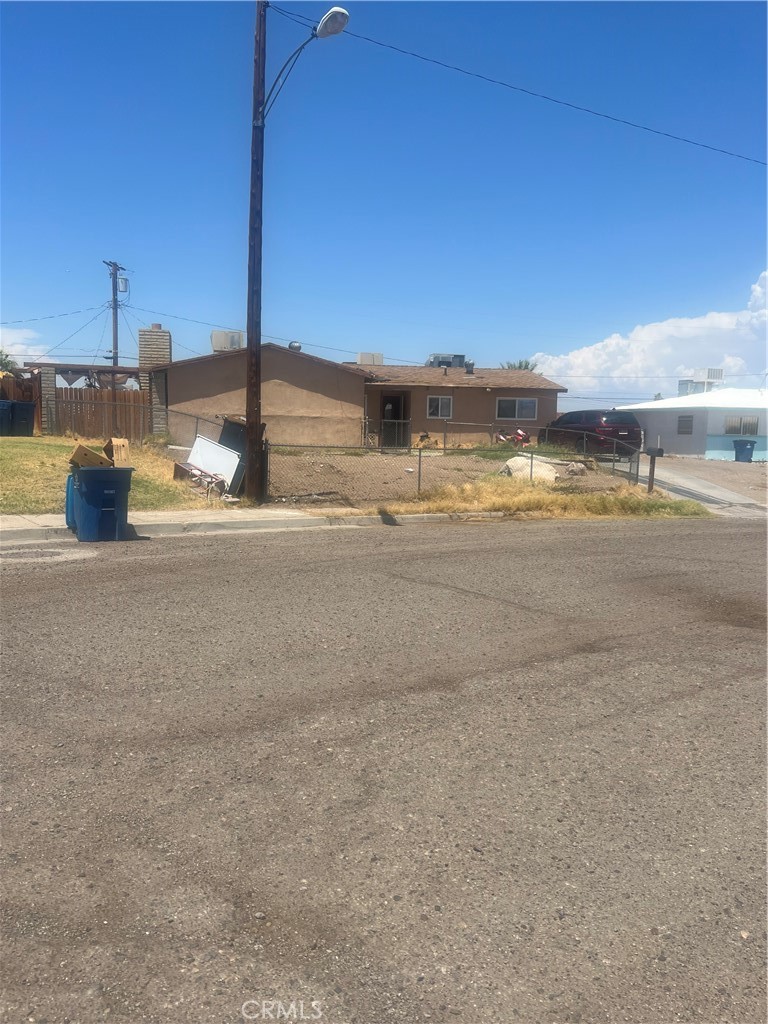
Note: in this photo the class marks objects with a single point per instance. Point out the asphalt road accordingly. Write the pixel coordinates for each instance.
(474, 773)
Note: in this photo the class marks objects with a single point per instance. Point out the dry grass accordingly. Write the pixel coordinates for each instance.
(33, 472)
(544, 501)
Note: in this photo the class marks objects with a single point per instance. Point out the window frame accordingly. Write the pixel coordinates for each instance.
(689, 422)
(742, 422)
(440, 399)
(516, 399)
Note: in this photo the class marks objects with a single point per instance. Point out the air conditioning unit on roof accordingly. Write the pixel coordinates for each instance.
(225, 341)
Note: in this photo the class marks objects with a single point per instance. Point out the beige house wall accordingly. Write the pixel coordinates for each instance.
(304, 401)
(474, 410)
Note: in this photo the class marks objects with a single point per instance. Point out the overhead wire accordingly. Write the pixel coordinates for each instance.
(101, 312)
(533, 93)
(52, 316)
(130, 329)
(101, 339)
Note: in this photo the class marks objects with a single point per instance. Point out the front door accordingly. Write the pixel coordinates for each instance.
(395, 428)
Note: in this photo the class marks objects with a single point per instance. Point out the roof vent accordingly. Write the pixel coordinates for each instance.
(469, 365)
(294, 346)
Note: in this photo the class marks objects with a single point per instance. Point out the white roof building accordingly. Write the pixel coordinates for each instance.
(707, 424)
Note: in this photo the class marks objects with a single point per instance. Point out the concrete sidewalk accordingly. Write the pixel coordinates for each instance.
(717, 499)
(23, 529)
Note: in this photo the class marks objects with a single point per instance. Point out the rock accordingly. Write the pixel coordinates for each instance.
(520, 468)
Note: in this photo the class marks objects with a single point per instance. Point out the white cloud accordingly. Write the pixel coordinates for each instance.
(16, 342)
(652, 356)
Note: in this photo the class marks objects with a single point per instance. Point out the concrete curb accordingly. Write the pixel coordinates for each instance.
(31, 534)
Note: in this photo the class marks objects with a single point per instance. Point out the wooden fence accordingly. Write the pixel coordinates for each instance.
(89, 412)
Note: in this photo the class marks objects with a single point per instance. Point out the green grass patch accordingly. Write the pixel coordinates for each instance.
(34, 470)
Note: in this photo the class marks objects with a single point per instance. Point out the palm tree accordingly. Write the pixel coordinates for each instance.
(7, 362)
(520, 364)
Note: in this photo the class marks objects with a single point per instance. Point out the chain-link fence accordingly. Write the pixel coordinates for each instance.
(183, 428)
(350, 476)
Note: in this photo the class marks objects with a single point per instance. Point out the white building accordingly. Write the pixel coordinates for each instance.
(707, 424)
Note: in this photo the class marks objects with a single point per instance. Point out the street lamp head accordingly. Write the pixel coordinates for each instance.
(332, 23)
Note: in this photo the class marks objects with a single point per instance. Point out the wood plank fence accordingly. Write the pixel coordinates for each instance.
(90, 412)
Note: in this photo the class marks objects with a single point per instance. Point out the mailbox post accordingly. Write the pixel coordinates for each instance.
(653, 454)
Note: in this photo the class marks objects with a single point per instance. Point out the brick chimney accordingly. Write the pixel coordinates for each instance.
(154, 346)
(155, 350)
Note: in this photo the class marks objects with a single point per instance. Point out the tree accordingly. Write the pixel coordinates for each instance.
(7, 362)
(520, 364)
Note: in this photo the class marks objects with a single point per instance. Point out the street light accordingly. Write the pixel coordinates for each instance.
(331, 24)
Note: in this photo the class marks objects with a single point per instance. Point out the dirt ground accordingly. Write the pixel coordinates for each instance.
(747, 478)
(334, 478)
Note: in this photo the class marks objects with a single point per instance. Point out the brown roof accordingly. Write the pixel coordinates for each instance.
(353, 368)
(457, 377)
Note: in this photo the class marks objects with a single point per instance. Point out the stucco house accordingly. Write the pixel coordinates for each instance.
(706, 424)
(305, 399)
(310, 400)
(454, 404)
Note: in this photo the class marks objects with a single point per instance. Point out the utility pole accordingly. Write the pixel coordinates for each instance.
(254, 429)
(114, 269)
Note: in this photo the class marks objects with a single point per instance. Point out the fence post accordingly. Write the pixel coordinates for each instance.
(445, 434)
(530, 456)
(613, 462)
(418, 478)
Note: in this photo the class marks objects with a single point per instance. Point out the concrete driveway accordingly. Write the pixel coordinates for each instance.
(465, 773)
(733, 489)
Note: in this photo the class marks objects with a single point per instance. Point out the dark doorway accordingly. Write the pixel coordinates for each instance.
(395, 425)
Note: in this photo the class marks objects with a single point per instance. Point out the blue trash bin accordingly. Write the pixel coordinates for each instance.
(23, 419)
(6, 418)
(101, 502)
(742, 450)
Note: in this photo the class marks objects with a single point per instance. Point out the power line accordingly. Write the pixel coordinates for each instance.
(52, 316)
(176, 343)
(540, 95)
(646, 376)
(130, 329)
(413, 362)
(101, 339)
(189, 320)
(103, 309)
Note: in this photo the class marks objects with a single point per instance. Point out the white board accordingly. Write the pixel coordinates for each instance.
(213, 459)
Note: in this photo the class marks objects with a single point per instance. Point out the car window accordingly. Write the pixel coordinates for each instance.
(568, 420)
(626, 419)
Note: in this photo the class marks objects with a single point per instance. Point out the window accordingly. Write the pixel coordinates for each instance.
(439, 407)
(516, 408)
(741, 425)
(685, 424)
(749, 425)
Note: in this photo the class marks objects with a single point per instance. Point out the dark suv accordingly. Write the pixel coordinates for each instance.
(595, 430)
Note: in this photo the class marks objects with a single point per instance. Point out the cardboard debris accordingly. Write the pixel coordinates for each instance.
(83, 456)
(116, 449)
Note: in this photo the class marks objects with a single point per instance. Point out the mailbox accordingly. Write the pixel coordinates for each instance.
(655, 453)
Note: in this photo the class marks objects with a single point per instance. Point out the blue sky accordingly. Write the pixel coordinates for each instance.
(408, 209)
